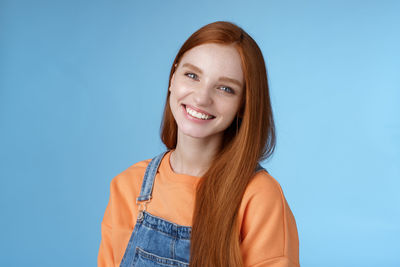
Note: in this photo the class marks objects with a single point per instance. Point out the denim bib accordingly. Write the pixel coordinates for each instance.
(156, 242)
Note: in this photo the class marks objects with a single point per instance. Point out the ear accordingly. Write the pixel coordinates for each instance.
(172, 82)
(173, 77)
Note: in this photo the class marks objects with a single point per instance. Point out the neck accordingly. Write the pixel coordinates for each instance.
(193, 156)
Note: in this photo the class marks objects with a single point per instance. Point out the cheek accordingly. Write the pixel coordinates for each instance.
(173, 101)
(175, 98)
(230, 108)
(173, 105)
(179, 90)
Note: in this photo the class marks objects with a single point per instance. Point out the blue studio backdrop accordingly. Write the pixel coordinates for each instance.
(82, 90)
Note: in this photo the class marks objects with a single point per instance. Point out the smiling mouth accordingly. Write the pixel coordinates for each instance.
(198, 115)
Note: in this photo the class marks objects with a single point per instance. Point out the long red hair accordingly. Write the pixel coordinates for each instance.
(215, 237)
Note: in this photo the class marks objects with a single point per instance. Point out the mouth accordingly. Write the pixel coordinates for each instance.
(197, 114)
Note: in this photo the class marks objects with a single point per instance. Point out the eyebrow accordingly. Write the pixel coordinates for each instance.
(226, 79)
(193, 67)
(222, 79)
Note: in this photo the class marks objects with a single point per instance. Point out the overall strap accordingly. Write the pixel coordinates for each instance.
(148, 179)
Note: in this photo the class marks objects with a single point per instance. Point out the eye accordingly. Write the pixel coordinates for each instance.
(192, 75)
(227, 89)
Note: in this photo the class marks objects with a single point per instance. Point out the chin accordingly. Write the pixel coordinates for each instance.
(195, 134)
(199, 134)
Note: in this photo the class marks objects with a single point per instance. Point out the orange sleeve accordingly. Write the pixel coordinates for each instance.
(120, 215)
(268, 229)
(105, 257)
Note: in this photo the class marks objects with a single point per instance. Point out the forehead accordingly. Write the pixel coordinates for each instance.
(215, 59)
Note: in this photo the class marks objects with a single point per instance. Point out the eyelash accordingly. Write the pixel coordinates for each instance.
(228, 90)
(223, 88)
(190, 75)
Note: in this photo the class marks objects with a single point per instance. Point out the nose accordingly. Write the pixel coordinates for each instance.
(202, 96)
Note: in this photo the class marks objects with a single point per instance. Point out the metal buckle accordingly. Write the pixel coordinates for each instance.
(142, 204)
(142, 207)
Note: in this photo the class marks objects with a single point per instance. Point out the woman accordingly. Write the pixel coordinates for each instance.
(206, 201)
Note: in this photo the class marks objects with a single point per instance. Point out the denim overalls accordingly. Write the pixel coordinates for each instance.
(156, 242)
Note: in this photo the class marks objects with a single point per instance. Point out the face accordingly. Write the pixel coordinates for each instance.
(206, 90)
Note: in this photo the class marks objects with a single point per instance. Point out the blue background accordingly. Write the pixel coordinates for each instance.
(82, 89)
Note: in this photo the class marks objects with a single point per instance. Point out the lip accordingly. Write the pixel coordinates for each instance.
(198, 110)
(196, 120)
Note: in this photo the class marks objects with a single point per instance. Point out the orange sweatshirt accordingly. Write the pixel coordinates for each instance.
(268, 228)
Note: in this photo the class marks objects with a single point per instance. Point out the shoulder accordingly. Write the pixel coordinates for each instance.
(264, 187)
(133, 175)
(267, 227)
(263, 198)
(124, 189)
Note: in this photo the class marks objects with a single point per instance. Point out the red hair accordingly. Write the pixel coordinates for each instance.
(215, 238)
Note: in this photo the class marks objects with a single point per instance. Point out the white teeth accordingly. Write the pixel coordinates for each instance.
(198, 115)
